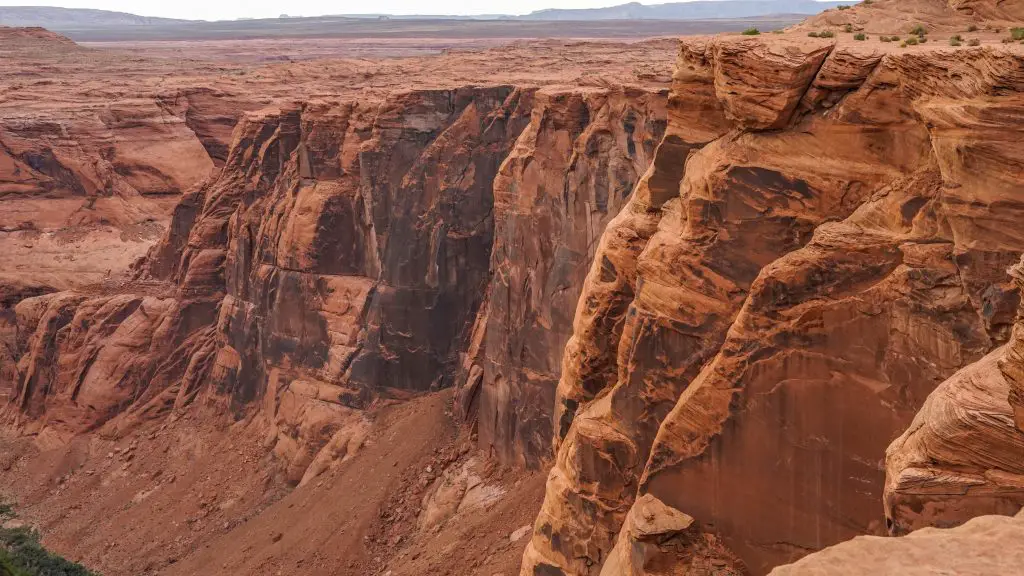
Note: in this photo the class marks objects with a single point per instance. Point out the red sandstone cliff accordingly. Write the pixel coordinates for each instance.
(341, 255)
(821, 241)
(794, 260)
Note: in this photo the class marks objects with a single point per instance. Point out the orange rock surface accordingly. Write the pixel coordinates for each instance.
(722, 292)
(984, 545)
(821, 241)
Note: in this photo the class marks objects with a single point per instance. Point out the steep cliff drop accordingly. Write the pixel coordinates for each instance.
(821, 240)
(267, 376)
(781, 264)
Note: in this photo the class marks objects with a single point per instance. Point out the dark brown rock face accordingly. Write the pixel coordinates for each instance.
(821, 241)
(569, 173)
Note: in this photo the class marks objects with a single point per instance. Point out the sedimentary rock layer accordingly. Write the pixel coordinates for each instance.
(569, 173)
(341, 254)
(961, 456)
(821, 241)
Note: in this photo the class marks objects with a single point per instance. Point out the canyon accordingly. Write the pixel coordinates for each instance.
(730, 304)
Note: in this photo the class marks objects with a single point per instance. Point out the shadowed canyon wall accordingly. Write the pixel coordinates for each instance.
(343, 253)
(570, 172)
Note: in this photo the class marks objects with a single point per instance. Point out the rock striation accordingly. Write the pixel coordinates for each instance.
(570, 172)
(342, 255)
(820, 242)
(960, 457)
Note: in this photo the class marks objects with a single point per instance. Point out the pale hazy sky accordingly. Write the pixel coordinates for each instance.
(228, 9)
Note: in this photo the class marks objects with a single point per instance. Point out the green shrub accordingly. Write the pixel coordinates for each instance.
(894, 38)
(848, 28)
(903, 44)
(21, 554)
(911, 41)
(844, 7)
(826, 34)
(812, 34)
(972, 28)
(1017, 33)
(884, 39)
(860, 37)
(751, 32)
(918, 30)
(868, 2)
(955, 40)
(974, 42)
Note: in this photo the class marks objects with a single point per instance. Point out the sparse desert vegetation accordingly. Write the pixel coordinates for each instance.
(21, 554)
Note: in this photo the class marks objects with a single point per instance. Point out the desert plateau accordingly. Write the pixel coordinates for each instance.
(698, 289)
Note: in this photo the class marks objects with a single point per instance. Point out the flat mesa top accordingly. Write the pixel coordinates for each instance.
(44, 72)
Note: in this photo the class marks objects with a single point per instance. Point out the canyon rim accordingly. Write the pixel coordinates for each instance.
(719, 304)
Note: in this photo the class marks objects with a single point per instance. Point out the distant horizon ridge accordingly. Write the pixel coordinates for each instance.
(57, 18)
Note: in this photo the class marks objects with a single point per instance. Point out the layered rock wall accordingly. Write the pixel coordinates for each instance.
(820, 242)
(570, 172)
(343, 253)
(961, 456)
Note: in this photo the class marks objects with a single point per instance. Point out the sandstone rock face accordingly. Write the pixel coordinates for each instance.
(658, 539)
(342, 254)
(10, 294)
(820, 242)
(901, 16)
(290, 276)
(1012, 363)
(960, 458)
(569, 173)
(983, 546)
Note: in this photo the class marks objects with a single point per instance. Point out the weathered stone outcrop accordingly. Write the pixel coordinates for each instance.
(570, 172)
(336, 242)
(961, 456)
(983, 546)
(901, 16)
(123, 149)
(820, 242)
(658, 539)
(341, 254)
